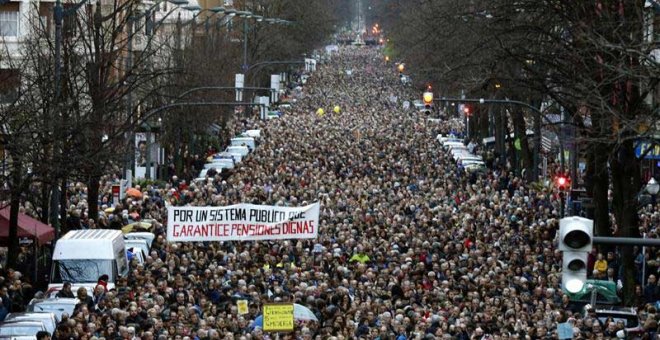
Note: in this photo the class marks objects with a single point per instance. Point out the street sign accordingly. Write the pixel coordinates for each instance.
(274, 87)
(245, 67)
(650, 150)
(239, 83)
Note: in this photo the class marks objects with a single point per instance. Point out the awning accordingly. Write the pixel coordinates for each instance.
(27, 227)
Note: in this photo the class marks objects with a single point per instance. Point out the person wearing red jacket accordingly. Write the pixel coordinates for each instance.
(103, 281)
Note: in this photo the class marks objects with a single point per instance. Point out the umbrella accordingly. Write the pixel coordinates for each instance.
(300, 313)
(303, 313)
(134, 193)
(137, 226)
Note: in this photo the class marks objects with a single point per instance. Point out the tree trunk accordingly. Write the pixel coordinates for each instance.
(14, 205)
(626, 182)
(601, 183)
(500, 142)
(93, 187)
(520, 131)
(482, 124)
(63, 207)
(45, 203)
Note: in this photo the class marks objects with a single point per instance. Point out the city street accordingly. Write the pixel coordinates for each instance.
(377, 170)
(409, 243)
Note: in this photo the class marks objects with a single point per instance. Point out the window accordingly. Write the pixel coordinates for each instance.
(9, 24)
(81, 271)
(10, 82)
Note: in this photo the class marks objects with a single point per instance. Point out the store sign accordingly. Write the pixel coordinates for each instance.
(642, 148)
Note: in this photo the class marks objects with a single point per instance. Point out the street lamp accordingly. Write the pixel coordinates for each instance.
(652, 187)
(192, 8)
(249, 15)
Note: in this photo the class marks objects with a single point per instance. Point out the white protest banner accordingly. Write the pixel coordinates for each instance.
(241, 222)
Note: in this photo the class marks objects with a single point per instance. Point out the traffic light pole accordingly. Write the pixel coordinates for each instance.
(627, 241)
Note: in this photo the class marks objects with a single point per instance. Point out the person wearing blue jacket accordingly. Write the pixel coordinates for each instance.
(3, 310)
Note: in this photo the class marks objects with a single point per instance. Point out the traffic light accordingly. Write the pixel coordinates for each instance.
(562, 182)
(575, 242)
(427, 97)
(467, 110)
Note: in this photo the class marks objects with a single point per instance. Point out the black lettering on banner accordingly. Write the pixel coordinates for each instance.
(181, 215)
(200, 215)
(294, 215)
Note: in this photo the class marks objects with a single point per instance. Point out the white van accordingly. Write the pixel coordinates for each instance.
(243, 150)
(244, 141)
(82, 256)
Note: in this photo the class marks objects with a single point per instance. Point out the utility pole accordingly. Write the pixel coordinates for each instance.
(245, 44)
(130, 157)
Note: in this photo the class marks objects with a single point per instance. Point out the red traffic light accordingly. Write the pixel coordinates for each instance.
(562, 182)
(467, 110)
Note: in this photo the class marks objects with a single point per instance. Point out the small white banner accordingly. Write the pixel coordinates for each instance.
(241, 222)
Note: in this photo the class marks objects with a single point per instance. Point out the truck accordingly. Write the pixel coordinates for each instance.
(81, 257)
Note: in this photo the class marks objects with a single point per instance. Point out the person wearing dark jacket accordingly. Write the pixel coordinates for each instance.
(651, 290)
(66, 291)
(85, 299)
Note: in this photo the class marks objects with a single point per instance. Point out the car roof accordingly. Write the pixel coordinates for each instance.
(38, 315)
(14, 323)
(56, 301)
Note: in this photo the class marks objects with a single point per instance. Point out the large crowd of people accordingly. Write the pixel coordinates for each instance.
(410, 246)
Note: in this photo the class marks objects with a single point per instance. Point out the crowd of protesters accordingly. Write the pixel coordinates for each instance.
(410, 246)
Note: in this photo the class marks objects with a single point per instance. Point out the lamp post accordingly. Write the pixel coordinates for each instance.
(249, 15)
(245, 15)
(199, 10)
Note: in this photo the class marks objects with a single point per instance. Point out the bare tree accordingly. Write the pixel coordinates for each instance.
(592, 59)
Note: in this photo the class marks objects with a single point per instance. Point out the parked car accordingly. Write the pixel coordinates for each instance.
(22, 329)
(244, 141)
(47, 318)
(204, 172)
(55, 305)
(441, 139)
(252, 133)
(138, 245)
(243, 150)
(222, 163)
(237, 158)
(448, 144)
(142, 235)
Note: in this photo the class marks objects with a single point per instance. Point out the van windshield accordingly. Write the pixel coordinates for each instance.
(81, 271)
